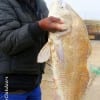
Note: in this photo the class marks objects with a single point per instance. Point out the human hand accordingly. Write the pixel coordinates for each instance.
(52, 24)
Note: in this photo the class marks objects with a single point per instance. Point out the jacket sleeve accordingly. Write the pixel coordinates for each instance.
(14, 38)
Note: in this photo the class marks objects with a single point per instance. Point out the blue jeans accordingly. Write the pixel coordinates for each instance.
(33, 95)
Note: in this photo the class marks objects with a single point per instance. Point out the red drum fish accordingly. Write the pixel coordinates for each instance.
(68, 52)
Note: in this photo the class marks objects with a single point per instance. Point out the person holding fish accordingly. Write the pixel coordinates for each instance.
(24, 28)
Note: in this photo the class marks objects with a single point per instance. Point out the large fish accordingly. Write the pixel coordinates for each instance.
(68, 52)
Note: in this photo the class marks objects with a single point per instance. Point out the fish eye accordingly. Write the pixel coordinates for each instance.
(61, 6)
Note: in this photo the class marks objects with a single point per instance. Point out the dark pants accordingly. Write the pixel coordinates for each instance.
(33, 95)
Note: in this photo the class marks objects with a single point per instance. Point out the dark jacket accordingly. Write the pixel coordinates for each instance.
(20, 36)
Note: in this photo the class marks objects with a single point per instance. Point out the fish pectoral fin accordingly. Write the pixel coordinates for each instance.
(60, 51)
(44, 54)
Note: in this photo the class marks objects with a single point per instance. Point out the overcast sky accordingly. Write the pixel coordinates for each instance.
(87, 9)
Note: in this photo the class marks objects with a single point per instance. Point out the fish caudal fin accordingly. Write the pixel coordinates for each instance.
(44, 54)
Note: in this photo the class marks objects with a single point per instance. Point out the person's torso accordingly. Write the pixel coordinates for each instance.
(20, 66)
(25, 61)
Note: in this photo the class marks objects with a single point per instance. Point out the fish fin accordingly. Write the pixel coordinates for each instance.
(60, 51)
(44, 54)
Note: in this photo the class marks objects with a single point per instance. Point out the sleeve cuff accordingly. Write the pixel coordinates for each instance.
(35, 30)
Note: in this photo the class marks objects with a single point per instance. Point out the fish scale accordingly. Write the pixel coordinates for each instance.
(60, 77)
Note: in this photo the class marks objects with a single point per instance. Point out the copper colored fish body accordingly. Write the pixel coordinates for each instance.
(68, 51)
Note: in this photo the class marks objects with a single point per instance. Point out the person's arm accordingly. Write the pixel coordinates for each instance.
(14, 37)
